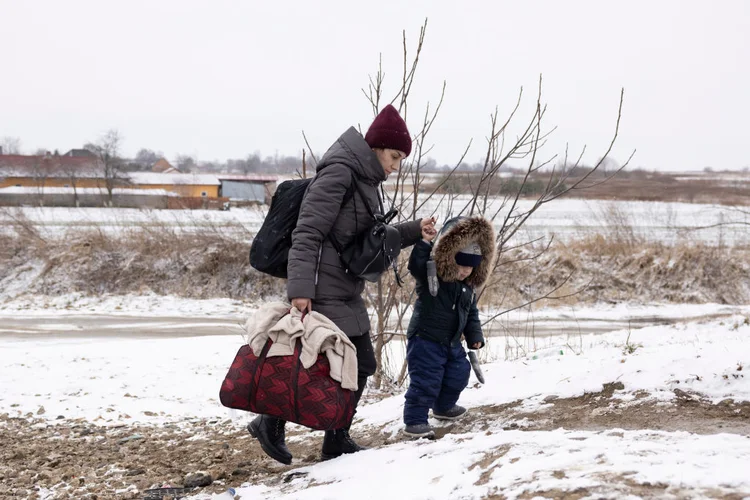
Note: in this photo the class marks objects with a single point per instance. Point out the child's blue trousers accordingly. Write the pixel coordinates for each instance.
(438, 373)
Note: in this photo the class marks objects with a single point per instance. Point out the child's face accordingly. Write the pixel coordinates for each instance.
(464, 272)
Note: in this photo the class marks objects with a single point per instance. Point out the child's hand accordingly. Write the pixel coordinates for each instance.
(476, 345)
(428, 228)
(429, 233)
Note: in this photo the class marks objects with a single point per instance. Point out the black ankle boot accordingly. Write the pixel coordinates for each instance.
(269, 431)
(338, 442)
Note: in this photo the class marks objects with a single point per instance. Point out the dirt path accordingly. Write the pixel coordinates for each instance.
(85, 461)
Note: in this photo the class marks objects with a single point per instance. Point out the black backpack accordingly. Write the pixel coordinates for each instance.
(269, 252)
(372, 252)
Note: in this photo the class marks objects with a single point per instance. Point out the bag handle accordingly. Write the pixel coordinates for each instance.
(304, 313)
(387, 217)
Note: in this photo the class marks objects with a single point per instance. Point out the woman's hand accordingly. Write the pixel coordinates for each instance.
(476, 345)
(302, 304)
(428, 228)
(427, 221)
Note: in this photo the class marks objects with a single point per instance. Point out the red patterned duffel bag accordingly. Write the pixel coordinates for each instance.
(281, 387)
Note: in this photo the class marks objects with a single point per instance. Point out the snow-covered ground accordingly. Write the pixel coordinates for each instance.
(118, 380)
(82, 377)
(84, 362)
(150, 304)
(565, 218)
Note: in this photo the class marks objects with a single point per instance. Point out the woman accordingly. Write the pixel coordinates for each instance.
(317, 280)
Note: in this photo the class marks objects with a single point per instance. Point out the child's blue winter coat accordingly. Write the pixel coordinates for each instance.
(438, 368)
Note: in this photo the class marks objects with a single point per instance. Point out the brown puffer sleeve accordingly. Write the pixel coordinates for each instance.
(318, 212)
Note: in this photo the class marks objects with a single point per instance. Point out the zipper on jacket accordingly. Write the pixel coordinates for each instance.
(458, 296)
(317, 267)
(457, 335)
(372, 261)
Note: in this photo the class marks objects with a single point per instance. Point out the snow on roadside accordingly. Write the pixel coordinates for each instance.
(149, 304)
(711, 358)
(111, 379)
(513, 463)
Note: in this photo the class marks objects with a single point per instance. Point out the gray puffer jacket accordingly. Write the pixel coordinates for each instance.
(314, 269)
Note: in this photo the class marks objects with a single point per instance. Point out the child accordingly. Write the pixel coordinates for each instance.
(438, 368)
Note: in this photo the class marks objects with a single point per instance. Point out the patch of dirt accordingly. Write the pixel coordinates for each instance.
(486, 462)
(618, 486)
(84, 461)
(613, 486)
(576, 494)
(603, 410)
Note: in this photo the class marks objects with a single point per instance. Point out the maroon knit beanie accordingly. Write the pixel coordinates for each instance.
(388, 131)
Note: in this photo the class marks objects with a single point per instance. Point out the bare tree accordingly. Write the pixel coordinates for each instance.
(10, 145)
(146, 158)
(186, 163)
(107, 151)
(560, 181)
(488, 196)
(72, 173)
(253, 163)
(40, 171)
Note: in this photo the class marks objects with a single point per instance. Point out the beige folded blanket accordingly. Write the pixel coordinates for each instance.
(285, 327)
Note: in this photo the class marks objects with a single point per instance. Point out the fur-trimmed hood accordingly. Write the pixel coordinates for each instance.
(457, 233)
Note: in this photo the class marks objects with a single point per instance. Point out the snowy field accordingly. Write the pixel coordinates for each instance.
(73, 360)
(112, 381)
(566, 219)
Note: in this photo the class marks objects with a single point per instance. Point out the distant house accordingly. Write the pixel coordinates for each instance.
(40, 171)
(69, 180)
(86, 197)
(164, 167)
(248, 188)
(80, 153)
(187, 185)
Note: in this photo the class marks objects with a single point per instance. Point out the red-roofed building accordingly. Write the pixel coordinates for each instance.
(163, 166)
(50, 171)
(40, 173)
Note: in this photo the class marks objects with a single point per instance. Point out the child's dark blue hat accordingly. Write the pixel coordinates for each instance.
(470, 255)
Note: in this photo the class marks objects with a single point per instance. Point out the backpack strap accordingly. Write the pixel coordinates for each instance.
(386, 217)
(349, 195)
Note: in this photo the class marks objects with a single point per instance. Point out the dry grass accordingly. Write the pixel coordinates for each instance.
(666, 187)
(623, 265)
(159, 259)
(614, 267)
(611, 270)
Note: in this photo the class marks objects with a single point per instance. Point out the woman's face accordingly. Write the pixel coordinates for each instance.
(390, 159)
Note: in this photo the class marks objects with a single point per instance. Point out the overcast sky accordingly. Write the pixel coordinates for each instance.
(222, 79)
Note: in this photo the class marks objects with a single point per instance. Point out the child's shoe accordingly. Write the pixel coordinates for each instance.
(450, 414)
(418, 431)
